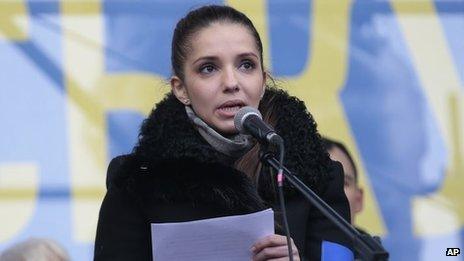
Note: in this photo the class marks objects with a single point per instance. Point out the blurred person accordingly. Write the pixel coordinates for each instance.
(35, 249)
(355, 194)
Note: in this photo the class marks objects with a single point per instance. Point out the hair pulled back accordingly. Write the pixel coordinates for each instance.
(199, 19)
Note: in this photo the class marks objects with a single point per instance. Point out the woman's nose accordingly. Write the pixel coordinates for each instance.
(230, 81)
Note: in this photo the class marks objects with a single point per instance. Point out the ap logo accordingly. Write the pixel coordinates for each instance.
(453, 251)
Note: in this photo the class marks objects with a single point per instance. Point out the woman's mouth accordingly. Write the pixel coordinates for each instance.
(230, 108)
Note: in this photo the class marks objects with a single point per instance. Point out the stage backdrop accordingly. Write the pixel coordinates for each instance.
(385, 77)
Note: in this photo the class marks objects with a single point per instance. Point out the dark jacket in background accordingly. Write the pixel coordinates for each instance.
(175, 175)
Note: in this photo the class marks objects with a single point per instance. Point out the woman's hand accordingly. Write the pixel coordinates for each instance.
(273, 247)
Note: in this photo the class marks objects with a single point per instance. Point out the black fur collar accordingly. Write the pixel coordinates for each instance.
(305, 155)
(171, 151)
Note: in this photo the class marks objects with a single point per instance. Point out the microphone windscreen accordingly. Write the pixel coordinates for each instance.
(242, 114)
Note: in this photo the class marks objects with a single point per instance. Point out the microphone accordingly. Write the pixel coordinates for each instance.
(248, 120)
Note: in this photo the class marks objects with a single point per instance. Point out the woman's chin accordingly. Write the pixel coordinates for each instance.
(227, 130)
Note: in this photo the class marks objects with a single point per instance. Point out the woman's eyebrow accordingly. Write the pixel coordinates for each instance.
(213, 58)
(248, 54)
(207, 58)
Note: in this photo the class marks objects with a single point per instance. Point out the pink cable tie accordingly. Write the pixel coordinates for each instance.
(280, 177)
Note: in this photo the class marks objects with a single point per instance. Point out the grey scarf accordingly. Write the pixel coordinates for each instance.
(235, 146)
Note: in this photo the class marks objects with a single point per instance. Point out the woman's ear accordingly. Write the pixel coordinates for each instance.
(179, 90)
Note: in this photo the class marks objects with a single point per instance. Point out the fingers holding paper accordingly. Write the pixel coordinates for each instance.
(273, 247)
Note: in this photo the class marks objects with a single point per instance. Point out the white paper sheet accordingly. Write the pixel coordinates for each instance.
(226, 238)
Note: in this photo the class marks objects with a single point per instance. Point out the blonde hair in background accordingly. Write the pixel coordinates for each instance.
(37, 249)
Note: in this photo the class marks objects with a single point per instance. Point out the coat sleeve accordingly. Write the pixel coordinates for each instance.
(122, 233)
(319, 228)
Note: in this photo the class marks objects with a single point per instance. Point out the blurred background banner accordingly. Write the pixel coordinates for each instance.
(385, 77)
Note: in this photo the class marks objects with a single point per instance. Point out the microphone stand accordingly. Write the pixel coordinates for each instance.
(365, 245)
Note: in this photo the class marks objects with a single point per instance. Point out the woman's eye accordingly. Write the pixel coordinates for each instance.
(247, 65)
(206, 69)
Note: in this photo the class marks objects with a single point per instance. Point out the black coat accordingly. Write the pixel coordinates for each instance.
(174, 175)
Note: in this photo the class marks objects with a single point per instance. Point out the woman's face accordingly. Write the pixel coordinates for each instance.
(222, 73)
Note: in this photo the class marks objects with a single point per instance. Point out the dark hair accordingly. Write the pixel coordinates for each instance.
(198, 19)
(249, 163)
(330, 144)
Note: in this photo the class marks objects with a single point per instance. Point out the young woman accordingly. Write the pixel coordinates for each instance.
(190, 163)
